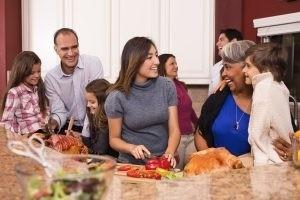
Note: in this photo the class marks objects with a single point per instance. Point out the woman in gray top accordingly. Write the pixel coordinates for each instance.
(141, 107)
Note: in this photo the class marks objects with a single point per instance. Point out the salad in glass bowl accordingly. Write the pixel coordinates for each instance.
(82, 177)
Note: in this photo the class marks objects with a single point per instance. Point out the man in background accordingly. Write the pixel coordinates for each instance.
(226, 36)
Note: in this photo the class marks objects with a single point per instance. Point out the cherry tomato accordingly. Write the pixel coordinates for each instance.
(136, 173)
(141, 173)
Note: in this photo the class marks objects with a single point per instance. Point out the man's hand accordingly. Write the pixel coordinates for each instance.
(52, 126)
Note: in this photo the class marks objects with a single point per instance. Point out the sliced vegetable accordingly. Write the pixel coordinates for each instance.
(125, 168)
(169, 174)
(161, 162)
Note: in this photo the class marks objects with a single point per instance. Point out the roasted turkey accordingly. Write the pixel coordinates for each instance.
(212, 159)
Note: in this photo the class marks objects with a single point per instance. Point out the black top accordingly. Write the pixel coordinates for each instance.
(98, 142)
(209, 112)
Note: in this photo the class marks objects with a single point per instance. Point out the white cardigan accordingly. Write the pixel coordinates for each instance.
(270, 118)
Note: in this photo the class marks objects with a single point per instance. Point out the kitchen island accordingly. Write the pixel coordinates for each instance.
(265, 182)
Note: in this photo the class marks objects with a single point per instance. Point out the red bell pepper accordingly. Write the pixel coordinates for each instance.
(161, 162)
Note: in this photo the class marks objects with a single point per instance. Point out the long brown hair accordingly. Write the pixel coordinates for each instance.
(133, 56)
(99, 88)
(21, 68)
(163, 58)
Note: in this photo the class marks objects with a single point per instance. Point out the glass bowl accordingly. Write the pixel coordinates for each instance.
(82, 177)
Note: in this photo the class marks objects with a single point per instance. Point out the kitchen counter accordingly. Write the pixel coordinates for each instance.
(265, 182)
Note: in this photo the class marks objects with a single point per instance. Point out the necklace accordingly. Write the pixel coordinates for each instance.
(237, 122)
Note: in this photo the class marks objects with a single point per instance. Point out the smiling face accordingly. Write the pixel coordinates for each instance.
(250, 71)
(66, 48)
(171, 68)
(92, 102)
(33, 79)
(234, 76)
(149, 69)
(222, 41)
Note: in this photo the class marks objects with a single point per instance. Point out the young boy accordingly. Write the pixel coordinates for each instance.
(270, 113)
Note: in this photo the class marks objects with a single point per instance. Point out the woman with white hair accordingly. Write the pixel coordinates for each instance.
(225, 115)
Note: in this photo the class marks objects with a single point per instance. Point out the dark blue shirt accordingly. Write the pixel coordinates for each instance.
(224, 128)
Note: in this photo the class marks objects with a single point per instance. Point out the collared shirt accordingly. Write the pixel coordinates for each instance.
(215, 77)
(22, 112)
(66, 92)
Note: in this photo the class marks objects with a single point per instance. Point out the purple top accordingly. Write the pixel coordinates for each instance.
(186, 113)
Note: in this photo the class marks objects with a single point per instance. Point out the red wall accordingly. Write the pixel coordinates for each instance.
(10, 37)
(2, 48)
(225, 19)
(239, 14)
(253, 9)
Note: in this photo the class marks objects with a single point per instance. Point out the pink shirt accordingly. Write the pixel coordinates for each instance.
(22, 112)
(186, 114)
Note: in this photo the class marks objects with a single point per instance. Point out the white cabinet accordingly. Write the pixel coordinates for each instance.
(184, 28)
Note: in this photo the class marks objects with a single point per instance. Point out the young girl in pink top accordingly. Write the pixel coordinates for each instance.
(187, 117)
(25, 106)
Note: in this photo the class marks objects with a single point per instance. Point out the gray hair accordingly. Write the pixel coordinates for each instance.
(234, 52)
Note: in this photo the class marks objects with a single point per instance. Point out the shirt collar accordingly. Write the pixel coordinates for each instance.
(78, 66)
(28, 89)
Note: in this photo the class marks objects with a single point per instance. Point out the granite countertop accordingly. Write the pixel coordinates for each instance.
(265, 182)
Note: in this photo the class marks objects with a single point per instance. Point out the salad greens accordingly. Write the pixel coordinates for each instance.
(169, 174)
(68, 186)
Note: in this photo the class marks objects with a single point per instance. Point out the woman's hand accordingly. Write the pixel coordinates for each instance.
(171, 159)
(139, 151)
(283, 149)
